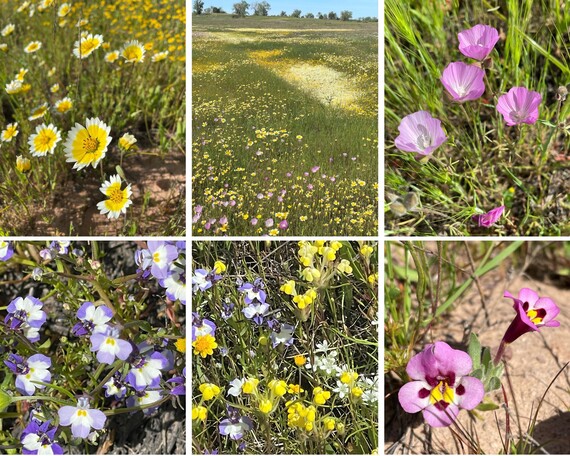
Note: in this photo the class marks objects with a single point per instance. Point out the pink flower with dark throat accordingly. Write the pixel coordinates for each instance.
(519, 105)
(532, 313)
(478, 42)
(421, 133)
(463, 82)
(489, 218)
(441, 385)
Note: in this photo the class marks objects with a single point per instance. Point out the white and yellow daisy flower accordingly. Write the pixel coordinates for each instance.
(39, 112)
(7, 30)
(86, 45)
(14, 87)
(45, 139)
(87, 145)
(118, 199)
(11, 131)
(23, 164)
(63, 105)
(158, 56)
(111, 56)
(133, 52)
(126, 141)
(33, 46)
(64, 10)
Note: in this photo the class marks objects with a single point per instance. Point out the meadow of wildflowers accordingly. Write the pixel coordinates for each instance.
(285, 347)
(468, 327)
(92, 342)
(284, 137)
(476, 118)
(92, 117)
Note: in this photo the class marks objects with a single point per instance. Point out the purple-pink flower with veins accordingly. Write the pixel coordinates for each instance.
(463, 82)
(441, 385)
(478, 42)
(420, 133)
(519, 105)
(489, 218)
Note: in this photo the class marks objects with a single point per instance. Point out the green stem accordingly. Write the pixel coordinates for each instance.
(40, 398)
(138, 407)
(107, 378)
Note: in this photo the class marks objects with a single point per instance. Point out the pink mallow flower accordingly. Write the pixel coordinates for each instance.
(489, 218)
(441, 385)
(478, 42)
(420, 133)
(81, 418)
(463, 82)
(519, 105)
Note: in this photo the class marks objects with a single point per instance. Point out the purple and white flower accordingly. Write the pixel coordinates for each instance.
(145, 371)
(420, 133)
(202, 326)
(26, 314)
(115, 387)
(463, 82)
(256, 312)
(159, 256)
(478, 42)
(39, 438)
(6, 250)
(519, 105)
(236, 425)
(175, 283)
(253, 291)
(282, 333)
(92, 319)
(179, 383)
(34, 369)
(202, 279)
(81, 418)
(108, 345)
(141, 398)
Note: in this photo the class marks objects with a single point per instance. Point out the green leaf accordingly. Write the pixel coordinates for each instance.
(486, 358)
(5, 400)
(474, 350)
(493, 384)
(487, 406)
(477, 373)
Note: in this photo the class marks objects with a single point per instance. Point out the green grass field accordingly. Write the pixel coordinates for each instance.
(140, 94)
(484, 163)
(284, 126)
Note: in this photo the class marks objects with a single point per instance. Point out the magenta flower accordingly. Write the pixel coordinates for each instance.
(478, 42)
(421, 133)
(532, 313)
(519, 105)
(441, 385)
(490, 217)
(463, 82)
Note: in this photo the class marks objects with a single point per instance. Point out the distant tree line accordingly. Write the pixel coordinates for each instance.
(262, 9)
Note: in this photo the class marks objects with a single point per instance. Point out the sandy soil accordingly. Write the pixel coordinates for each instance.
(72, 210)
(532, 362)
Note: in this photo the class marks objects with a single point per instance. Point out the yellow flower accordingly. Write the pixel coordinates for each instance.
(86, 45)
(299, 137)
(87, 145)
(289, 288)
(33, 46)
(373, 278)
(273, 232)
(204, 346)
(310, 274)
(23, 164)
(63, 105)
(219, 267)
(279, 387)
(295, 389)
(356, 391)
(366, 250)
(133, 52)
(11, 131)
(265, 406)
(336, 245)
(39, 112)
(348, 377)
(250, 385)
(21, 74)
(180, 345)
(329, 423)
(118, 199)
(344, 267)
(199, 413)
(111, 56)
(300, 360)
(209, 390)
(126, 141)
(44, 140)
(320, 396)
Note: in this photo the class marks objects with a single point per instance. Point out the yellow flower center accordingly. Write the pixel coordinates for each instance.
(81, 413)
(90, 145)
(115, 195)
(133, 53)
(442, 392)
(110, 341)
(45, 140)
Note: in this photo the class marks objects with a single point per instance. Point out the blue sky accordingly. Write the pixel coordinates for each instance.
(359, 8)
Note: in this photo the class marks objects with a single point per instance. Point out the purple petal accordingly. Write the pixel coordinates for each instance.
(528, 295)
(66, 414)
(82, 311)
(125, 349)
(98, 418)
(469, 393)
(463, 82)
(96, 340)
(78, 429)
(437, 417)
(414, 396)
